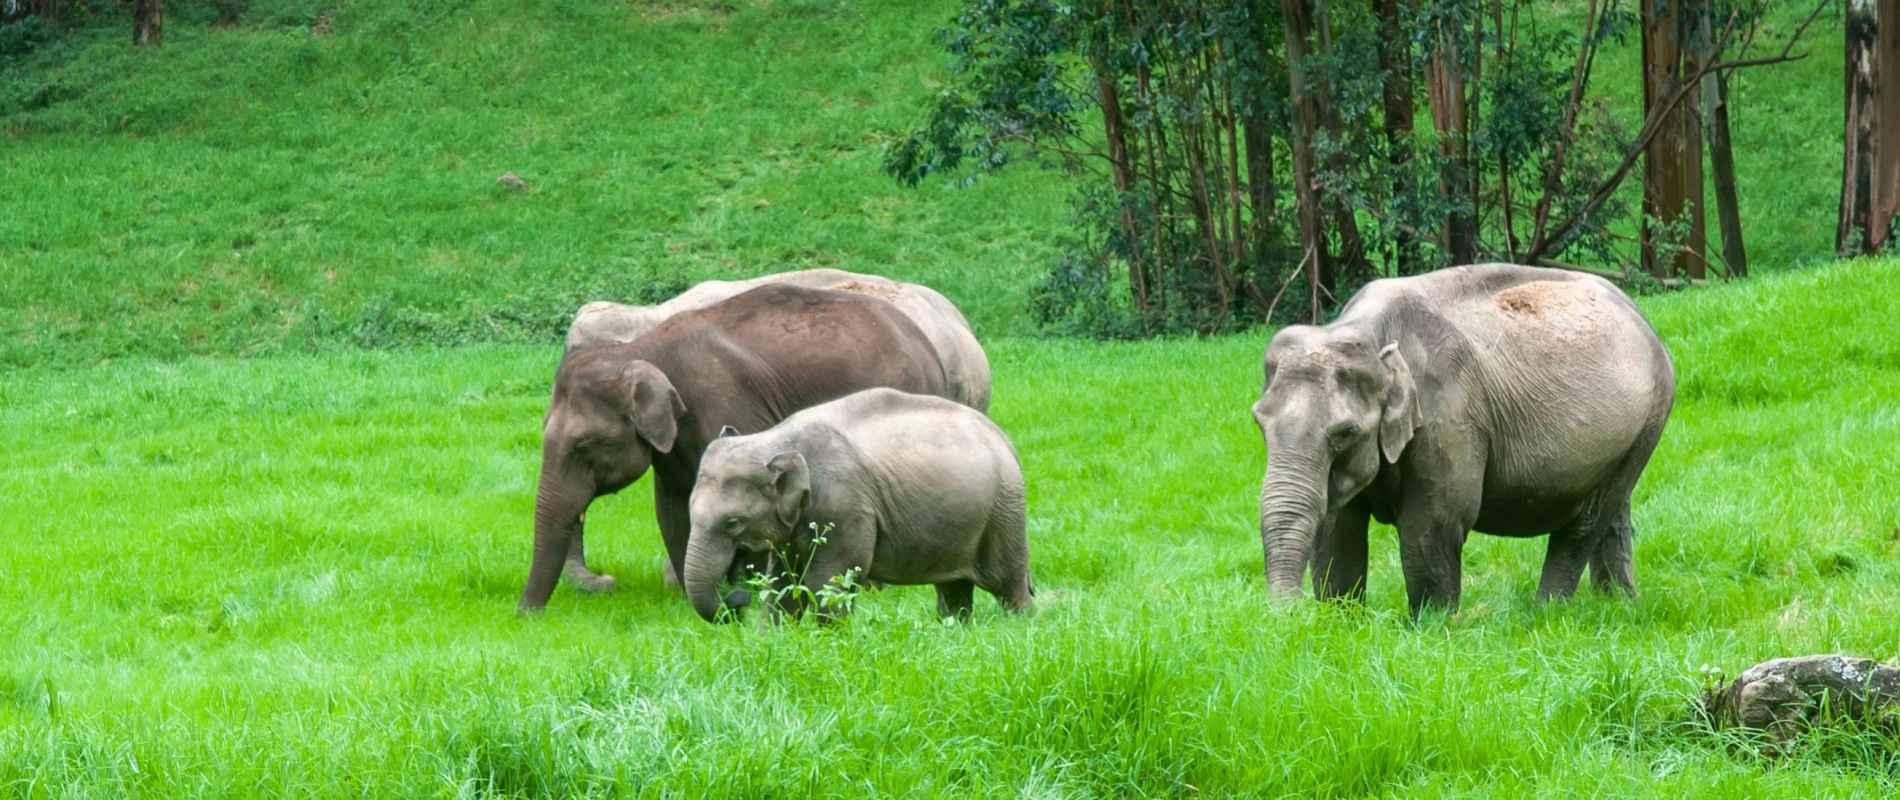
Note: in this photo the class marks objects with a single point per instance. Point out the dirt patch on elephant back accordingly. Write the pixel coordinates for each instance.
(1527, 299)
(1542, 298)
(882, 291)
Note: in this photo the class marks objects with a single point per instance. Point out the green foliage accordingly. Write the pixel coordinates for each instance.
(1202, 234)
(1147, 108)
(784, 588)
(295, 575)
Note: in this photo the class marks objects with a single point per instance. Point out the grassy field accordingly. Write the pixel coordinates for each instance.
(267, 190)
(274, 349)
(296, 575)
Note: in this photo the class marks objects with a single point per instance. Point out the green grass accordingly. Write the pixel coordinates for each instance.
(261, 189)
(295, 575)
(248, 549)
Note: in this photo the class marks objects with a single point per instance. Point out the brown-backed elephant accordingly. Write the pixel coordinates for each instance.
(654, 403)
(964, 363)
(1509, 400)
(906, 489)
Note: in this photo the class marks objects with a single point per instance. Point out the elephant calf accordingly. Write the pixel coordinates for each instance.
(915, 489)
(1504, 399)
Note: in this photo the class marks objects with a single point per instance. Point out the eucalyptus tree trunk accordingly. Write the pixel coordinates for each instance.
(1395, 63)
(148, 22)
(1445, 84)
(1870, 174)
(1306, 99)
(1672, 164)
(1721, 154)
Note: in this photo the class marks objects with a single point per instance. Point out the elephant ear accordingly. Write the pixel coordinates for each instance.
(1399, 416)
(652, 404)
(791, 486)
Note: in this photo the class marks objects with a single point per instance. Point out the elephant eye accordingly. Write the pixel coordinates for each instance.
(1342, 435)
(732, 524)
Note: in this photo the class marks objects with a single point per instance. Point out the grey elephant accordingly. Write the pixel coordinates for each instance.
(749, 361)
(1510, 400)
(964, 362)
(907, 489)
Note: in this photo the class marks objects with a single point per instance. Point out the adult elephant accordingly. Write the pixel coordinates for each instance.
(964, 362)
(747, 362)
(1505, 399)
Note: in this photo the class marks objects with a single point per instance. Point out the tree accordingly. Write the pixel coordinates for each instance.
(1171, 114)
(148, 22)
(1452, 61)
(1308, 98)
(1870, 173)
(1721, 153)
(1672, 165)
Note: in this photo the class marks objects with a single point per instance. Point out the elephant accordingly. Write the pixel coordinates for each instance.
(655, 403)
(905, 489)
(968, 368)
(1510, 400)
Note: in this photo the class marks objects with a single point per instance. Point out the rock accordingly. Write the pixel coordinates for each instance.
(509, 180)
(1785, 696)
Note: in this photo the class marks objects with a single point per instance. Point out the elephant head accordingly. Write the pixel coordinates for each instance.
(744, 499)
(606, 420)
(604, 323)
(1336, 405)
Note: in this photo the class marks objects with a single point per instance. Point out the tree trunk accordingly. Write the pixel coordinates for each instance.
(1297, 18)
(1445, 77)
(148, 22)
(1885, 199)
(1672, 165)
(1395, 63)
(1721, 155)
(1870, 174)
(1113, 127)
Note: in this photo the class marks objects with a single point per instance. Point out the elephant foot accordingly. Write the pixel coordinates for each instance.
(738, 598)
(672, 578)
(587, 580)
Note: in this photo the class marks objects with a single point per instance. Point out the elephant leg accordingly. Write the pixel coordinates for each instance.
(1433, 523)
(1002, 567)
(1568, 551)
(1612, 566)
(1339, 555)
(576, 569)
(953, 599)
(671, 511)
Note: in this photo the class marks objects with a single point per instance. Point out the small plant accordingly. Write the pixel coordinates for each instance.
(783, 592)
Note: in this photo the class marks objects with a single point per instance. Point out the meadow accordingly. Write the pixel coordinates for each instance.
(296, 575)
(275, 349)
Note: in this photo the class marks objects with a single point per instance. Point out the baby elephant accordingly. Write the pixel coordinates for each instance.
(915, 489)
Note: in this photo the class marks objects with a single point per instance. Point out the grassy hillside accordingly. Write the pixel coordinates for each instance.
(323, 174)
(259, 188)
(295, 575)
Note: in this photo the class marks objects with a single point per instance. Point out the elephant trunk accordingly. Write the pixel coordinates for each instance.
(1292, 501)
(708, 554)
(556, 515)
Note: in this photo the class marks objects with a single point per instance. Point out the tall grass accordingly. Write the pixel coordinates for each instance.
(296, 575)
